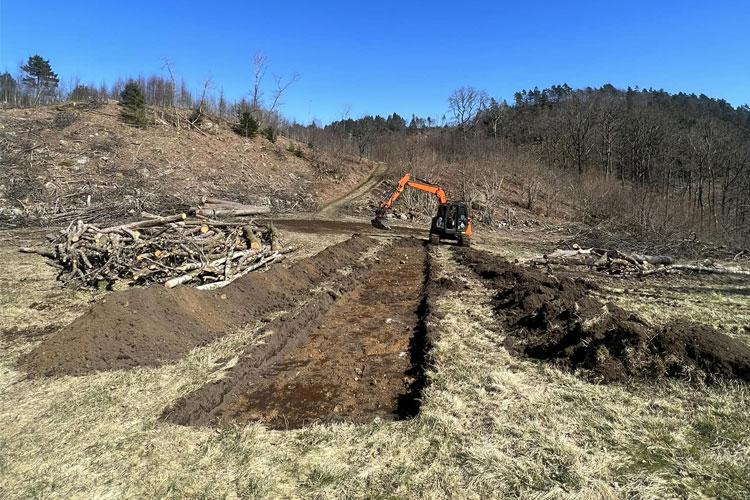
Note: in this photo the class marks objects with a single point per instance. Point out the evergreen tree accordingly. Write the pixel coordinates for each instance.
(222, 105)
(39, 77)
(248, 125)
(133, 105)
(395, 123)
(8, 88)
(270, 133)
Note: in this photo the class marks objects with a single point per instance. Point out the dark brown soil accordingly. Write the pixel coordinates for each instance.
(152, 326)
(349, 355)
(557, 320)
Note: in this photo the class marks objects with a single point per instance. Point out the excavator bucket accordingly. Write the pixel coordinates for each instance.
(380, 223)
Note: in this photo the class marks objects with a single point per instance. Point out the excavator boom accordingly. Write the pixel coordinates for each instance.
(406, 181)
(403, 183)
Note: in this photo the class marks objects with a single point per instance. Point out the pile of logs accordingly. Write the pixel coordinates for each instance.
(173, 250)
(212, 207)
(618, 263)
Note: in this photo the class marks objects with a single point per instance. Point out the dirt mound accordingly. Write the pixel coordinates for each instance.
(711, 351)
(152, 326)
(530, 298)
(350, 354)
(555, 319)
(451, 284)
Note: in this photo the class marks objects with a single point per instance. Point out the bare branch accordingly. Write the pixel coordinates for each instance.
(260, 66)
(281, 88)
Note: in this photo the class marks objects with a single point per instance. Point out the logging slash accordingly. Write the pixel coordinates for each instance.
(172, 251)
(617, 263)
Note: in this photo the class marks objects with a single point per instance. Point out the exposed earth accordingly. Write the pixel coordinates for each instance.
(343, 333)
(367, 360)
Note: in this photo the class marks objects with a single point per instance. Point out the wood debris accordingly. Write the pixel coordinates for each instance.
(173, 250)
(617, 263)
(212, 207)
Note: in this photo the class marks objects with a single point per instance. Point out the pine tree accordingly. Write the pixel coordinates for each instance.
(270, 133)
(133, 105)
(248, 125)
(39, 77)
(222, 105)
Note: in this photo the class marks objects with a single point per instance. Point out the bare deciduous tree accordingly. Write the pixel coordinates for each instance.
(260, 66)
(465, 103)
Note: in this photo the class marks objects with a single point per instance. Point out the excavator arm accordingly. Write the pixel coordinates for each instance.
(406, 181)
(403, 183)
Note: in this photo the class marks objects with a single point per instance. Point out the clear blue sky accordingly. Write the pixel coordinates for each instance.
(385, 56)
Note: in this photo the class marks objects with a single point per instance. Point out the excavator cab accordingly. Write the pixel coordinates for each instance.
(451, 222)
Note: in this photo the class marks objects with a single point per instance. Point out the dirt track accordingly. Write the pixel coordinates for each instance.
(377, 175)
(318, 226)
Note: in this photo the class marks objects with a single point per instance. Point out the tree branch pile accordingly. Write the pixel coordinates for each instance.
(617, 263)
(171, 250)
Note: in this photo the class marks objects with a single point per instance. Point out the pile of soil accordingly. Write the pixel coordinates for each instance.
(352, 354)
(557, 320)
(152, 326)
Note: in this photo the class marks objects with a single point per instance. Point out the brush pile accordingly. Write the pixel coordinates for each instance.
(170, 250)
(606, 261)
(617, 263)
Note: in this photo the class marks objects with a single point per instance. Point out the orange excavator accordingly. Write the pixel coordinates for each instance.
(452, 221)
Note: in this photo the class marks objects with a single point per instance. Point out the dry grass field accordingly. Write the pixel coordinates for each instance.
(490, 424)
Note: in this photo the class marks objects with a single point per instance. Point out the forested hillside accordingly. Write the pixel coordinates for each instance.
(654, 164)
(693, 150)
(645, 164)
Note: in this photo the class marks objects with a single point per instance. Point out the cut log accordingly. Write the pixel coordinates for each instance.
(659, 260)
(145, 223)
(559, 253)
(44, 252)
(220, 284)
(274, 237)
(233, 212)
(179, 280)
(219, 201)
(252, 239)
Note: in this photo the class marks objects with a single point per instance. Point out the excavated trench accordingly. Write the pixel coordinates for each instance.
(352, 352)
(345, 338)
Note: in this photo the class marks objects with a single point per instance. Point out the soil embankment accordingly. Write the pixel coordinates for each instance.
(151, 326)
(558, 320)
